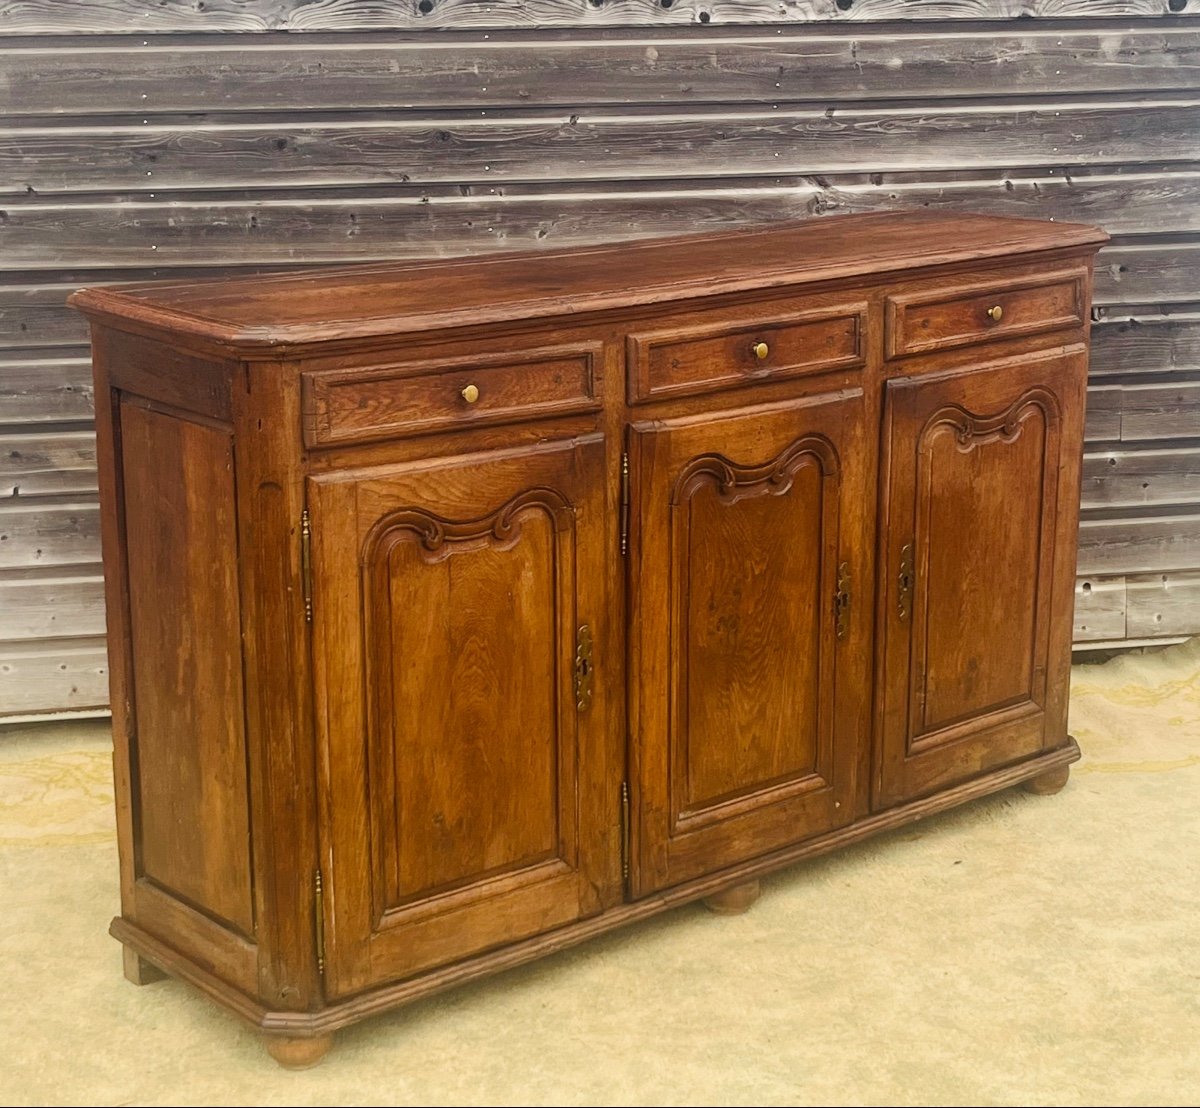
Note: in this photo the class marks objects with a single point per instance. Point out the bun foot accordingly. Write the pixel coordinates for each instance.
(735, 900)
(1047, 784)
(138, 970)
(294, 1053)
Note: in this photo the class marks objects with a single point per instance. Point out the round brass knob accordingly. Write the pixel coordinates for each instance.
(995, 314)
(470, 394)
(761, 350)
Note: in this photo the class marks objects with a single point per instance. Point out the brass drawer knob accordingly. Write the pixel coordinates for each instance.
(995, 314)
(470, 394)
(761, 350)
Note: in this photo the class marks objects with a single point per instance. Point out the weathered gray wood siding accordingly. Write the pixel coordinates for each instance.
(144, 139)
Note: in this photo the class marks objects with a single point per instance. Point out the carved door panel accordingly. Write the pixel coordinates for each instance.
(978, 570)
(750, 624)
(470, 790)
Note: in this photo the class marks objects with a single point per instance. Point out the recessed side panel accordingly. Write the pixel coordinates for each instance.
(192, 821)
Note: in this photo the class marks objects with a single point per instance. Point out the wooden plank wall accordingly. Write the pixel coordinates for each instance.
(159, 139)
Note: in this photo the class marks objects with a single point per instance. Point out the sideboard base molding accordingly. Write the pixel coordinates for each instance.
(339, 1014)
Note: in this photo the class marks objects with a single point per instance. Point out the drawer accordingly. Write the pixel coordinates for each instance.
(353, 405)
(943, 316)
(692, 358)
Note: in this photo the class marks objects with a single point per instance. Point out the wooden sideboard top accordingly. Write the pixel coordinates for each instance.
(373, 299)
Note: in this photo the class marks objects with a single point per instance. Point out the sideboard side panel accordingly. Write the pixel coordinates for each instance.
(192, 831)
(167, 477)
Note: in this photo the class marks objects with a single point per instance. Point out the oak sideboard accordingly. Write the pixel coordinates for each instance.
(461, 610)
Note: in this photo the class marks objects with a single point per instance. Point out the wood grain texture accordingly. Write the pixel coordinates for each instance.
(1099, 609)
(536, 145)
(1148, 273)
(35, 389)
(741, 741)
(683, 64)
(296, 308)
(30, 17)
(1150, 343)
(470, 762)
(411, 222)
(52, 607)
(48, 532)
(1150, 412)
(192, 828)
(50, 462)
(52, 677)
(1139, 544)
(1162, 604)
(961, 449)
(1143, 476)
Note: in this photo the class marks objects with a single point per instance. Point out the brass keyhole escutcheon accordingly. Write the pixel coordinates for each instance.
(996, 313)
(761, 350)
(470, 394)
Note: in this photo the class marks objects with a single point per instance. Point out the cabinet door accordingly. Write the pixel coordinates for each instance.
(977, 581)
(748, 677)
(469, 799)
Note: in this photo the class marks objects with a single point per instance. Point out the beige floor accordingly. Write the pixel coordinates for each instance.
(1022, 951)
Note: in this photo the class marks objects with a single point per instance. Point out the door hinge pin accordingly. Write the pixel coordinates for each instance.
(625, 836)
(319, 920)
(306, 564)
(624, 503)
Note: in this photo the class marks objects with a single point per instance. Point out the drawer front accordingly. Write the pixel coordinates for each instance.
(944, 316)
(354, 405)
(697, 358)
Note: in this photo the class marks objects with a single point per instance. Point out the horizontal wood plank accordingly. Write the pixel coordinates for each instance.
(47, 463)
(1156, 273)
(1132, 478)
(1099, 609)
(591, 144)
(1159, 344)
(1139, 544)
(53, 677)
(409, 222)
(40, 390)
(49, 533)
(687, 64)
(52, 607)
(1150, 412)
(1129, 412)
(56, 17)
(1165, 604)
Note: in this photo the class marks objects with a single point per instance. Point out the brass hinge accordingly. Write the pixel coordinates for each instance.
(583, 668)
(319, 920)
(841, 600)
(306, 563)
(905, 580)
(624, 503)
(625, 832)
